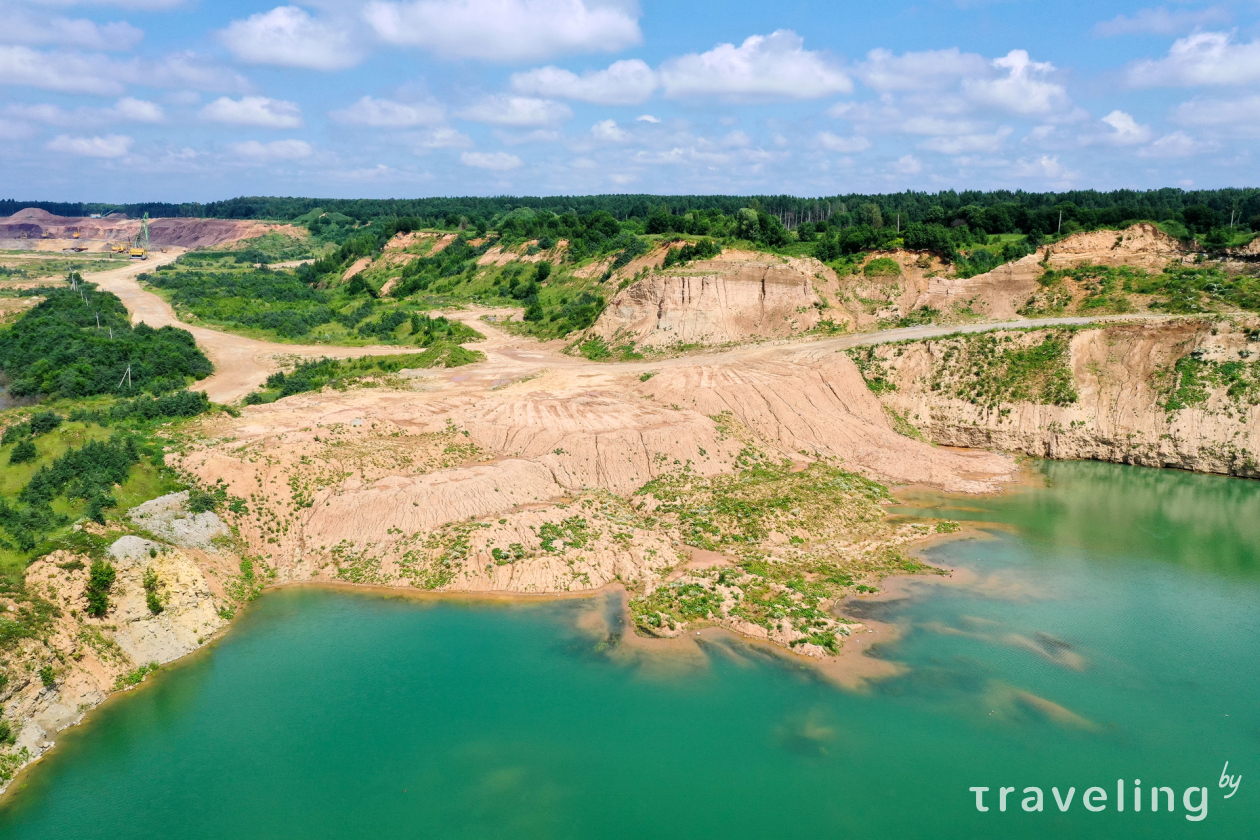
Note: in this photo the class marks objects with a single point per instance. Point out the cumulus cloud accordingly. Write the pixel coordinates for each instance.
(290, 37)
(765, 66)
(1160, 21)
(1023, 90)
(968, 143)
(517, 111)
(64, 72)
(845, 145)
(1175, 145)
(1126, 131)
(275, 150)
(647, 118)
(1204, 58)
(126, 109)
(505, 30)
(1045, 167)
(907, 165)
(915, 71)
(609, 131)
(38, 30)
(443, 138)
(110, 146)
(254, 110)
(14, 130)
(385, 113)
(188, 70)
(623, 83)
(496, 161)
(1235, 114)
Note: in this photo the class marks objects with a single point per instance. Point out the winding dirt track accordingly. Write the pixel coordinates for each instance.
(242, 364)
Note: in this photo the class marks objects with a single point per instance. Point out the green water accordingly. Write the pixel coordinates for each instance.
(1130, 597)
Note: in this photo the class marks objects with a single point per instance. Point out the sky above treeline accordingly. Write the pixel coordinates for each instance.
(193, 100)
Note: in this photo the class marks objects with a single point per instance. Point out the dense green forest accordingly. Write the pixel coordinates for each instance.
(998, 211)
(79, 342)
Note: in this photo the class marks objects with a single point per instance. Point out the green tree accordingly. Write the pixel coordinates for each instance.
(100, 580)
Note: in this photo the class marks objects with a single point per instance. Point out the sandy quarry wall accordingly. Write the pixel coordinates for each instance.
(1121, 374)
(713, 302)
(32, 224)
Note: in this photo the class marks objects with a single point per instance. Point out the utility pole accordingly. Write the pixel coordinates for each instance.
(98, 320)
(1060, 230)
(126, 378)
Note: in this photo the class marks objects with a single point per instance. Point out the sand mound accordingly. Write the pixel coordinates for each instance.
(713, 302)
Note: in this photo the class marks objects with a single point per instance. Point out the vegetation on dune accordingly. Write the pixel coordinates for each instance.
(80, 342)
(343, 373)
(824, 512)
(994, 369)
(1191, 380)
(1190, 289)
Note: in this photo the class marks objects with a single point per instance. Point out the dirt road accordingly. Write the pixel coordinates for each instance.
(240, 364)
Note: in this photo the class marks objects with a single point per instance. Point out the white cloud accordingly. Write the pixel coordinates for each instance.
(11, 130)
(1023, 90)
(908, 165)
(275, 150)
(517, 111)
(111, 146)
(968, 143)
(1204, 58)
(497, 161)
(928, 70)
(37, 30)
(1126, 131)
(254, 110)
(188, 70)
(1160, 21)
(67, 73)
(844, 145)
(444, 138)
(647, 118)
(764, 66)
(1239, 114)
(505, 30)
(126, 109)
(609, 131)
(1045, 167)
(623, 83)
(1175, 145)
(385, 113)
(289, 37)
(138, 110)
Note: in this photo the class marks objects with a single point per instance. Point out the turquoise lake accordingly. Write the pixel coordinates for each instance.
(1112, 631)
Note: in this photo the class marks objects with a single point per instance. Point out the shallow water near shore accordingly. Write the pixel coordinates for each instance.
(1108, 629)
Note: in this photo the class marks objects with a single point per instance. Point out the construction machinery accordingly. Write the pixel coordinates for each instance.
(118, 247)
(140, 245)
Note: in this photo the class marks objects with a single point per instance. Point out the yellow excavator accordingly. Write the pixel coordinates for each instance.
(117, 247)
(140, 245)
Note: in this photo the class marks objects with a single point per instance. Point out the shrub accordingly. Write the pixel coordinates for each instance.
(23, 453)
(100, 580)
(47, 677)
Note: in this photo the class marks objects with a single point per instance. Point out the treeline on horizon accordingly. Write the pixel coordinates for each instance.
(1022, 212)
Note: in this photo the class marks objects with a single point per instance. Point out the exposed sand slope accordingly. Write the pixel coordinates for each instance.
(1123, 375)
(738, 296)
(240, 364)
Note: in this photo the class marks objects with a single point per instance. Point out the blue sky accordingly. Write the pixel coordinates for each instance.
(126, 100)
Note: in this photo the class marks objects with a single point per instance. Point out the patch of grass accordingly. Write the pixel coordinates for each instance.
(344, 373)
(874, 370)
(992, 369)
(134, 678)
(882, 267)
